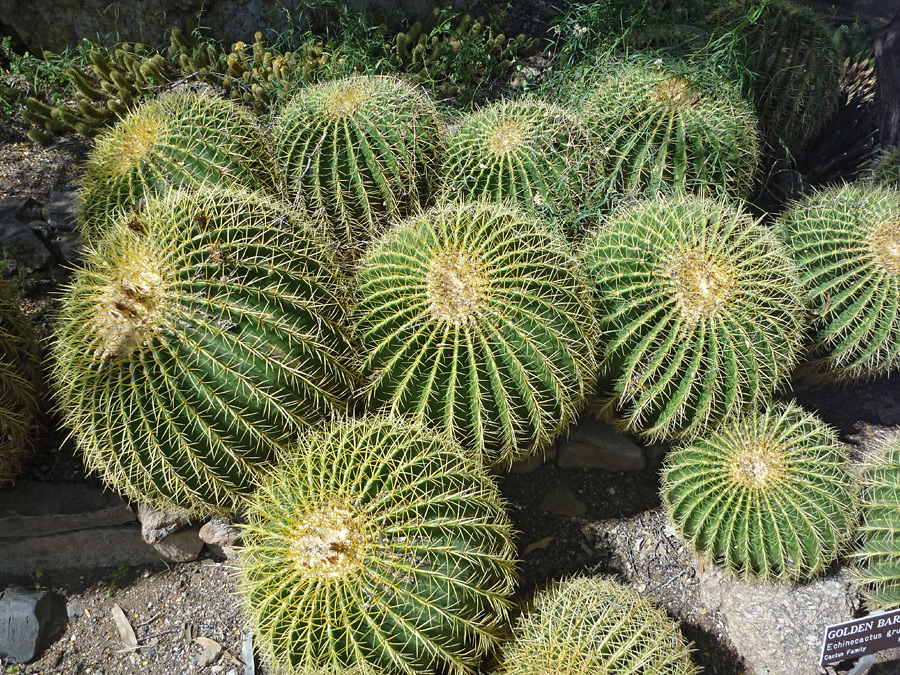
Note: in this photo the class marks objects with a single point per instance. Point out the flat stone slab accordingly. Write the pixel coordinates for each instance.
(594, 445)
(28, 620)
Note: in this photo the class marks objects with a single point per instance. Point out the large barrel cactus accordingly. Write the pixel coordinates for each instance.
(359, 152)
(701, 313)
(769, 496)
(668, 128)
(473, 318)
(185, 138)
(19, 385)
(197, 338)
(377, 547)
(594, 625)
(532, 153)
(846, 243)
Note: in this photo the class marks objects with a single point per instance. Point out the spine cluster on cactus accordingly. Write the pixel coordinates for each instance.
(844, 240)
(669, 130)
(532, 153)
(594, 625)
(769, 496)
(196, 338)
(360, 151)
(876, 562)
(184, 138)
(377, 546)
(701, 312)
(885, 170)
(20, 384)
(473, 318)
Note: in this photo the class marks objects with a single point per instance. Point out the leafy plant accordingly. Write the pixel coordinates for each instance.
(377, 546)
(769, 496)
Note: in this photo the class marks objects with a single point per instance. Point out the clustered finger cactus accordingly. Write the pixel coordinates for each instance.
(378, 546)
(594, 625)
(876, 562)
(700, 311)
(844, 240)
(183, 138)
(473, 318)
(196, 338)
(359, 152)
(532, 153)
(769, 496)
(672, 129)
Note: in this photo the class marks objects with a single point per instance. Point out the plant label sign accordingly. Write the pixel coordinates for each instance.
(856, 638)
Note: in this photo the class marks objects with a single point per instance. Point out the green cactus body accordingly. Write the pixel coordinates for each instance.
(844, 240)
(666, 130)
(885, 170)
(183, 138)
(197, 338)
(701, 312)
(378, 546)
(19, 385)
(876, 562)
(472, 317)
(594, 626)
(769, 496)
(532, 153)
(359, 152)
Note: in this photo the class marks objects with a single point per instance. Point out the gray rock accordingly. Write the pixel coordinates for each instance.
(22, 248)
(530, 464)
(156, 524)
(60, 210)
(181, 546)
(562, 501)
(209, 656)
(594, 445)
(28, 620)
(70, 247)
(221, 536)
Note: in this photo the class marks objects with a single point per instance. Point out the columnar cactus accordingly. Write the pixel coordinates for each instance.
(378, 546)
(877, 559)
(184, 138)
(359, 152)
(672, 130)
(769, 496)
(844, 240)
(534, 154)
(473, 318)
(19, 383)
(701, 313)
(198, 337)
(594, 625)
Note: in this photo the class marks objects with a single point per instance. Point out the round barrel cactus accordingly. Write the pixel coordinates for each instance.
(769, 496)
(532, 153)
(19, 385)
(197, 338)
(885, 169)
(594, 625)
(359, 152)
(472, 317)
(672, 129)
(844, 240)
(184, 138)
(378, 546)
(701, 313)
(876, 562)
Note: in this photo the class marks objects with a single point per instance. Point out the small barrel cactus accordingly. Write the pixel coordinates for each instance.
(701, 313)
(769, 496)
(534, 154)
(184, 138)
(876, 562)
(19, 384)
(845, 241)
(197, 338)
(472, 317)
(668, 129)
(593, 625)
(359, 152)
(377, 546)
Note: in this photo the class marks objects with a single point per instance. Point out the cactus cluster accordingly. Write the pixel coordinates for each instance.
(769, 496)
(473, 318)
(844, 240)
(378, 547)
(196, 338)
(700, 310)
